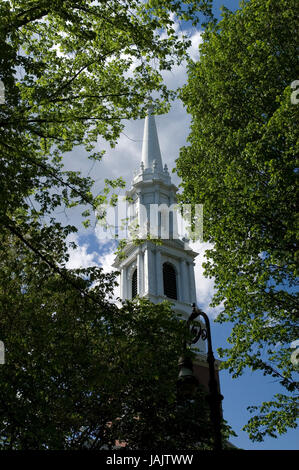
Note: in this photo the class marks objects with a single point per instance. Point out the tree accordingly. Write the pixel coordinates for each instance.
(72, 72)
(80, 372)
(240, 163)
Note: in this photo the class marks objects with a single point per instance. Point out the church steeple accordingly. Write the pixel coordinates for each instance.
(151, 154)
(156, 271)
(151, 167)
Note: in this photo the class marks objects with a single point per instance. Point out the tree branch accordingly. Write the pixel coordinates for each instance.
(61, 272)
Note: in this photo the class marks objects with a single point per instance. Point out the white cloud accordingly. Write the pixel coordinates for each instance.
(106, 262)
(196, 39)
(103, 257)
(79, 257)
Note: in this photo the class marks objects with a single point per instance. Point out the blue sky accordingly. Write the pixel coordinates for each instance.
(250, 389)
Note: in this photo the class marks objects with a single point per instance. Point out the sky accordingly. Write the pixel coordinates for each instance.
(250, 389)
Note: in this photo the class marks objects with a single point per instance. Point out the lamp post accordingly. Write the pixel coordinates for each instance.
(187, 381)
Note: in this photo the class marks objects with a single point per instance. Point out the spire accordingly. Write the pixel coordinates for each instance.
(151, 155)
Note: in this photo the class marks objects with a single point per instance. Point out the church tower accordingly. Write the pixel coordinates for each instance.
(164, 271)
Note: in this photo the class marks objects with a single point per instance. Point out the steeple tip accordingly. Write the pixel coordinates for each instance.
(151, 154)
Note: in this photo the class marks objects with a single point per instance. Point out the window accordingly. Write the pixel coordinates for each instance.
(169, 281)
(134, 284)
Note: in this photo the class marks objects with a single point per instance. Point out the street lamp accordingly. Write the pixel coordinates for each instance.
(187, 382)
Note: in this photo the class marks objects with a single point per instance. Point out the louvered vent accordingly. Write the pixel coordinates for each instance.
(169, 281)
(134, 284)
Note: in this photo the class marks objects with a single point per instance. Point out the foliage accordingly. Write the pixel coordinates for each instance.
(73, 71)
(240, 163)
(274, 417)
(80, 372)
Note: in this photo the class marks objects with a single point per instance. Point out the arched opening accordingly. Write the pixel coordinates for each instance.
(134, 284)
(169, 281)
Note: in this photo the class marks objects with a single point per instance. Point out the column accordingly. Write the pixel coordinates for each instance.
(140, 273)
(139, 215)
(149, 272)
(123, 284)
(146, 281)
(159, 276)
(184, 288)
(142, 216)
(192, 282)
(174, 228)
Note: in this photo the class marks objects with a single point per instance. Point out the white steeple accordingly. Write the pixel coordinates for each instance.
(156, 271)
(151, 167)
